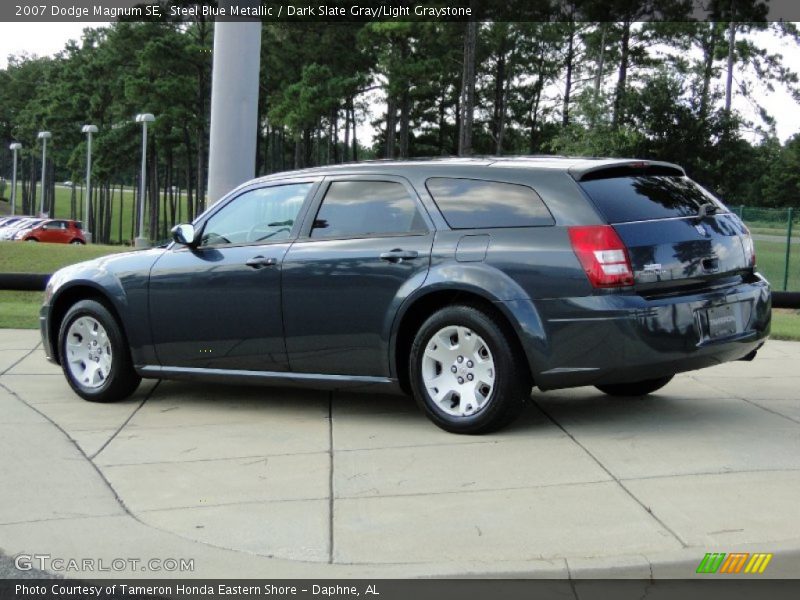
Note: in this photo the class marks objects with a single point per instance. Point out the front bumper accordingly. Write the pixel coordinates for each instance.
(620, 338)
(44, 329)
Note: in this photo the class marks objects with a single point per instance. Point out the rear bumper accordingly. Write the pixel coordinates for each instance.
(626, 338)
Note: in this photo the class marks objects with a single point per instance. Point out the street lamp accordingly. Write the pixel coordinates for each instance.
(88, 130)
(144, 119)
(15, 147)
(44, 136)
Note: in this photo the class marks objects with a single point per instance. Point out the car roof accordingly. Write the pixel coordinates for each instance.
(577, 167)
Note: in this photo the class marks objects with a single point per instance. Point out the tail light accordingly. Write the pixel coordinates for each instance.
(603, 255)
(749, 249)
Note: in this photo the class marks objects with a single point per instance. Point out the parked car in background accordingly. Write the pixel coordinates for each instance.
(463, 282)
(4, 220)
(53, 231)
(9, 230)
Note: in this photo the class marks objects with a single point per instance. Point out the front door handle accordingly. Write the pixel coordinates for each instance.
(398, 255)
(261, 261)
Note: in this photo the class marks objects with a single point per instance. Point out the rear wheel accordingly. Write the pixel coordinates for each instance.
(638, 388)
(94, 354)
(76, 243)
(31, 240)
(465, 375)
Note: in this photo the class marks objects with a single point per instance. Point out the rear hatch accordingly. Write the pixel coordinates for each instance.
(677, 234)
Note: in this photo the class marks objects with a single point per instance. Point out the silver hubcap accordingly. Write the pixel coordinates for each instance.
(88, 352)
(458, 371)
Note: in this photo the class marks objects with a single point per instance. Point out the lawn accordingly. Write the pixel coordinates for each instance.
(785, 324)
(20, 257)
(771, 259)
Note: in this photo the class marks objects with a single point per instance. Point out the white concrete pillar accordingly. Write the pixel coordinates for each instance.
(234, 106)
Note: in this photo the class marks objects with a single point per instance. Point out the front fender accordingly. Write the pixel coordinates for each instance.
(122, 281)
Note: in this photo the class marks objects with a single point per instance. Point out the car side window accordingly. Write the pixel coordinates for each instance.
(259, 215)
(479, 204)
(366, 208)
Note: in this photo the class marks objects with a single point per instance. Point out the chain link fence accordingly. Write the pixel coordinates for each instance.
(776, 232)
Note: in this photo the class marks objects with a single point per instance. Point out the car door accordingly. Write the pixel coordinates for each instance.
(365, 245)
(53, 232)
(216, 304)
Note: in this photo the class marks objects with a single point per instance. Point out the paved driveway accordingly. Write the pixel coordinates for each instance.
(273, 482)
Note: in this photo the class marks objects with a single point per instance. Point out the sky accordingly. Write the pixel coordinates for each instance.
(44, 39)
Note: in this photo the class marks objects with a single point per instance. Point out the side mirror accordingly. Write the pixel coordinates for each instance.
(183, 234)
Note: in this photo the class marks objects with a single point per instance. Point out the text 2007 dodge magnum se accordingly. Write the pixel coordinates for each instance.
(464, 282)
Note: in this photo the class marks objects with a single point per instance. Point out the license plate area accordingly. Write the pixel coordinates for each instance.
(722, 321)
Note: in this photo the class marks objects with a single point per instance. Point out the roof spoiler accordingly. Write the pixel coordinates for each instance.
(625, 169)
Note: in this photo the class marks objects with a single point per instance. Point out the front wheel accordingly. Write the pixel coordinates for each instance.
(94, 354)
(638, 388)
(465, 374)
(76, 243)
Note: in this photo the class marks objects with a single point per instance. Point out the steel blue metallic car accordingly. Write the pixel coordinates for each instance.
(464, 282)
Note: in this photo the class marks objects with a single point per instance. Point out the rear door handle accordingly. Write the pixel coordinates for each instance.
(398, 255)
(261, 261)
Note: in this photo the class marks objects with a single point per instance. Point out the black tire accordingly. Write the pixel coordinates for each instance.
(638, 388)
(512, 383)
(122, 379)
(31, 240)
(76, 242)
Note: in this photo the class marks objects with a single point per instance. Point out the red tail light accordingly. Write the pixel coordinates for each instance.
(603, 255)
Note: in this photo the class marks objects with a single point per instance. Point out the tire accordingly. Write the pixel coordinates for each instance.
(31, 240)
(76, 243)
(114, 377)
(487, 357)
(638, 388)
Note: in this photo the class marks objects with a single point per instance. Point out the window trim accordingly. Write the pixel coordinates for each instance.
(201, 221)
(525, 185)
(321, 192)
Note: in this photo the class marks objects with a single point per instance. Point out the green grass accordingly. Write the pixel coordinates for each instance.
(21, 257)
(19, 310)
(771, 259)
(785, 325)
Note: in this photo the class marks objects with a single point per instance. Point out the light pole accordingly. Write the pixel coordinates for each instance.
(44, 136)
(144, 118)
(88, 130)
(15, 147)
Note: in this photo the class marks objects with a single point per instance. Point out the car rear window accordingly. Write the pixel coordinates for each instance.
(647, 197)
(480, 204)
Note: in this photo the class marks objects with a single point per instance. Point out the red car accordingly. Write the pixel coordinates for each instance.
(54, 231)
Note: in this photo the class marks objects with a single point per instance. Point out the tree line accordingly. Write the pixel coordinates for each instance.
(566, 84)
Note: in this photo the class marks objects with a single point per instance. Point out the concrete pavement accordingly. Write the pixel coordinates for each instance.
(261, 482)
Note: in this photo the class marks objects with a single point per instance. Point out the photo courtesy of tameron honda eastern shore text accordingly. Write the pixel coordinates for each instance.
(464, 282)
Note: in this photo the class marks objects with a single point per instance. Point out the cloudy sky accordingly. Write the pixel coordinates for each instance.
(44, 39)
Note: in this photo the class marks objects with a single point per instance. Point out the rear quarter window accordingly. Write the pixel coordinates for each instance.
(647, 197)
(481, 204)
